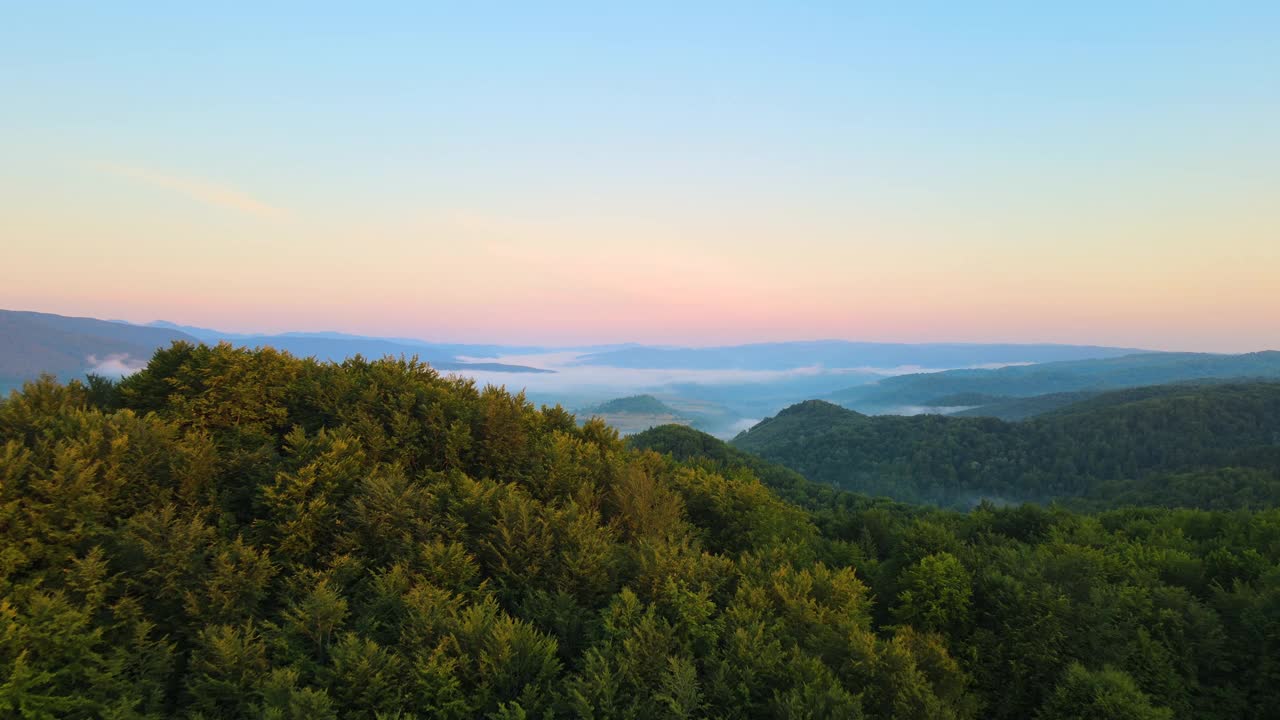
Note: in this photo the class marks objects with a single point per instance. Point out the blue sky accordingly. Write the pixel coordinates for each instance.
(1088, 170)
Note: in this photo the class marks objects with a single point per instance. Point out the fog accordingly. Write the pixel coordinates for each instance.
(722, 401)
(114, 366)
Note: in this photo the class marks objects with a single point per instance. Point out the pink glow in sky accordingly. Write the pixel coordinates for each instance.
(554, 177)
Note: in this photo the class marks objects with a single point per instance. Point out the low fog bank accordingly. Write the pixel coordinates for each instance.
(721, 401)
(114, 366)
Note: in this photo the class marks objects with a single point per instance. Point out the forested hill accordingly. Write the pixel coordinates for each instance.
(635, 404)
(242, 534)
(634, 413)
(903, 392)
(1041, 585)
(828, 506)
(1021, 408)
(688, 445)
(1134, 436)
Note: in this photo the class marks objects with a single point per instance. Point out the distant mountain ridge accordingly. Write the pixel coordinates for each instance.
(338, 349)
(846, 354)
(34, 343)
(923, 389)
(443, 349)
(1084, 400)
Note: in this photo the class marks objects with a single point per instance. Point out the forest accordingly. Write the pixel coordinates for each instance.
(1133, 446)
(234, 533)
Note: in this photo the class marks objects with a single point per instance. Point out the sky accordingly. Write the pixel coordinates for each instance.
(684, 173)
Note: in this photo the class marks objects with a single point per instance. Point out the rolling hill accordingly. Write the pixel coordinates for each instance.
(1130, 435)
(1021, 408)
(634, 404)
(635, 413)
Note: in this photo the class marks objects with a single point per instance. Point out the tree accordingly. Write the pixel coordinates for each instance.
(1106, 694)
(935, 594)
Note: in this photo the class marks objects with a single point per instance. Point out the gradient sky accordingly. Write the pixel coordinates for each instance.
(670, 172)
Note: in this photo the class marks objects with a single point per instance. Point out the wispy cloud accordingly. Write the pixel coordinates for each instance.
(203, 191)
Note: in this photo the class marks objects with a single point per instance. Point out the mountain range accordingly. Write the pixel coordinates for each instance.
(963, 389)
(722, 390)
(33, 343)
(845, 354)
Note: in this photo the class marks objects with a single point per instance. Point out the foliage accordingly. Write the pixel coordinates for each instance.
(234, 533)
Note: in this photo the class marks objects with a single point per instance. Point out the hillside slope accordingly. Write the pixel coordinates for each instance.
(1026, 407)
(32, 343)
(1081, 400)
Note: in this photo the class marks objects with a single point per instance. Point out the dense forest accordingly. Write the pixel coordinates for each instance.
(1130, 442)
(1017, 408)
(1129, 594)
(244, 534)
